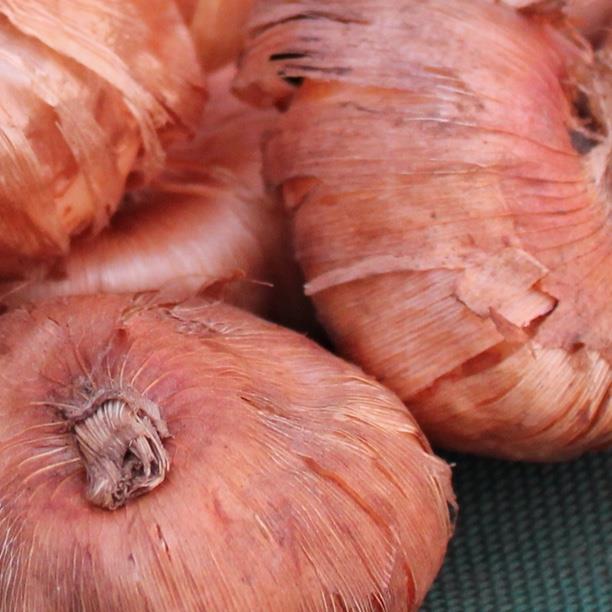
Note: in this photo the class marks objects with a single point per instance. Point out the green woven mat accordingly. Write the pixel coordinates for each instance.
(533, 538)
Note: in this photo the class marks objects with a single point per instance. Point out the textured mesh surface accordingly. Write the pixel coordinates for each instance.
(533, 538)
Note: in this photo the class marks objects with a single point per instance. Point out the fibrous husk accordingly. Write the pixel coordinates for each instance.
(447, 167)
(252, 493)
(92, 91)
(205, 222)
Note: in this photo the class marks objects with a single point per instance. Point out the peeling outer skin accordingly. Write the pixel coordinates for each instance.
(88, 104)
(333, 495)
(451, 215)
(206, 220)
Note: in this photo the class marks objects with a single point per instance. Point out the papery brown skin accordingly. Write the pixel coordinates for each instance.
(447, 166)
(92, 91)
(205, 221)
(217, 27)
(295, 482)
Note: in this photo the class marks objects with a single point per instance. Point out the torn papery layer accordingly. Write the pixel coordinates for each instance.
(205, 223)
(447, 169)
(92, 92)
